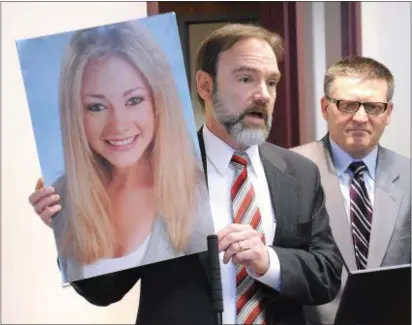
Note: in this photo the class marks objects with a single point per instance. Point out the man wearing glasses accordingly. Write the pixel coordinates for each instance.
(367, 186)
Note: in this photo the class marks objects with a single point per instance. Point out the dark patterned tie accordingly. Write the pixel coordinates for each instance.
(360, 213)
(245, 210)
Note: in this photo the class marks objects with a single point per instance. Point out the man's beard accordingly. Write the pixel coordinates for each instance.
(234, 124)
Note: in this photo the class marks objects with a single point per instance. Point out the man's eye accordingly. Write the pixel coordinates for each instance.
(96, 107)
(374, 107)
(245, 79)
(134, 101)
(273, 83)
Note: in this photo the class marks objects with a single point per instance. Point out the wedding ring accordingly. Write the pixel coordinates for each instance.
(240, 247)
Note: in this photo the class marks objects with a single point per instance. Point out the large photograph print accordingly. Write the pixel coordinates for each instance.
(115, 135)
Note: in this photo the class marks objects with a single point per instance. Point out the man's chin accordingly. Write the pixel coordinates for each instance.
(357, 148)
(250, 136)
(358, 142)
(256, 129)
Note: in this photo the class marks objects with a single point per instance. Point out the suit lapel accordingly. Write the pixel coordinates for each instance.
(335, 203)
(282, 187)
(385, 209)
(203, 257)
(202, 151)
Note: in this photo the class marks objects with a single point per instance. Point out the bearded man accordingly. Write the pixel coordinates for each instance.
(268, 206)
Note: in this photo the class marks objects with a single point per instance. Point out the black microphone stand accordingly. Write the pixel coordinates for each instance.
(217, 298)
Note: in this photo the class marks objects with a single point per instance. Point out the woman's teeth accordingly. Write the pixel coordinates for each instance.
(121, 142)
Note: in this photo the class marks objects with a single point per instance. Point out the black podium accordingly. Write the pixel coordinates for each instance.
(380, 296)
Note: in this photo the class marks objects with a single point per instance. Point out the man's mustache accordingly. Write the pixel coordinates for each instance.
(261, 109)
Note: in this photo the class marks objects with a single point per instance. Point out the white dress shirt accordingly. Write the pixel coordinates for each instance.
(220, 174)
(342, 161)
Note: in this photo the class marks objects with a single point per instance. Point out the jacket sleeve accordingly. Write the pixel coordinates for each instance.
(106, 289)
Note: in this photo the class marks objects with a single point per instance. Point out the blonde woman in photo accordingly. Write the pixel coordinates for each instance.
(134, 191)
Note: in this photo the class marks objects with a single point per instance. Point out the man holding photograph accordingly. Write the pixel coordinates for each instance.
(268, 205)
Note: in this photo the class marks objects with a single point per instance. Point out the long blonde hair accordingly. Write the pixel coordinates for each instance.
(177, 169)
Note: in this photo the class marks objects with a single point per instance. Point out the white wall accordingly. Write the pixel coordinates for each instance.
(30, 283)
(310, 17)
(386, 36)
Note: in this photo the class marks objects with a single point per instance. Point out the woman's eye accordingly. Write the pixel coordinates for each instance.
(96, 107)
(134, 101)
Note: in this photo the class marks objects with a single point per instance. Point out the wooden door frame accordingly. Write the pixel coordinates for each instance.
(279, 17)
(351, 36)
(184, 21)
(152, 8)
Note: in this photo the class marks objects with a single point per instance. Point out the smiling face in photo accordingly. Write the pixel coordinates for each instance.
(118, 110)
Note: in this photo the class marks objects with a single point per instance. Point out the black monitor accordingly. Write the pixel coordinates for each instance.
(379, 296)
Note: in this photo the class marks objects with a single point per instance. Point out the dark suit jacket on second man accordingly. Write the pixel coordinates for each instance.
(178, 291)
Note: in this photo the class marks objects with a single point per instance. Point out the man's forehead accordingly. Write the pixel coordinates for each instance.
(357, 80)
(249, 61)
(358, 85)
(271, 70)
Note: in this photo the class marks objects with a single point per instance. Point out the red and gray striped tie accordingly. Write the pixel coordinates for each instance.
(360, 213)
(246, 211)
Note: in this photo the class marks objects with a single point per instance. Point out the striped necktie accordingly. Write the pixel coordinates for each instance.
(245, 210)
(360, 213)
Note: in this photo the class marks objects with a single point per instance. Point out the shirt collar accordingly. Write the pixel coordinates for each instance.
(220, 154)
(342, 159)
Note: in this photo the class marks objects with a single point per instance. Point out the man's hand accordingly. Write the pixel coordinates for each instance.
(243, 245)
(45, 202)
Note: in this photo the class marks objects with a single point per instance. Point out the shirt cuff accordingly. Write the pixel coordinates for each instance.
(272, 277)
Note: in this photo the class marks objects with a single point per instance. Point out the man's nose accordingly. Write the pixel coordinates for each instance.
(262, 93)
(361, 116)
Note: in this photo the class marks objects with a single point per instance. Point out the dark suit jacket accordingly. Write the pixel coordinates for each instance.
(178, 291)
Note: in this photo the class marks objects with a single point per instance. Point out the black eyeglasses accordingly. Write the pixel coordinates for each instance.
(352, 106)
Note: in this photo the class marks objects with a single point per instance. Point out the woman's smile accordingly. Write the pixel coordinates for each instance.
(122, 144)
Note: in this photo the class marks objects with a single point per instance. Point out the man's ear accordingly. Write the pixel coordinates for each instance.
(204, 84)
(388, 119)
(324, 106)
